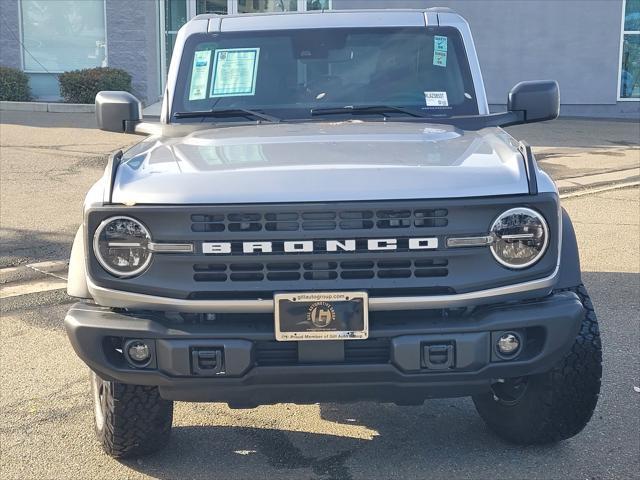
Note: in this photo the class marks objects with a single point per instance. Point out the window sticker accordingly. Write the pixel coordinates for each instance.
(440, 51)
(234, 72)
(439, 58)
(440, 43)
(436, 99)
(200, 75)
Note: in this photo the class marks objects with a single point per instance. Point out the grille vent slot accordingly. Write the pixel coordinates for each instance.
(370, 351)
(320, 270)
(316, 221)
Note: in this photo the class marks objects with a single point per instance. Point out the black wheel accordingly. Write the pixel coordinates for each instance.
(552, 406)
(131, 420)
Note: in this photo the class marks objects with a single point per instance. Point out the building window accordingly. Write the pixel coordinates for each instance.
(630, 52)
(58, 36)
(253, 6)
(63, 35)
(211, 6)
(318, 4)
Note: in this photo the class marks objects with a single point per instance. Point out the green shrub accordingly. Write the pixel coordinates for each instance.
(14, 85)
(81, 86)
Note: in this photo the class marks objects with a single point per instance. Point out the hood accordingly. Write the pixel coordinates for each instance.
(320, 162)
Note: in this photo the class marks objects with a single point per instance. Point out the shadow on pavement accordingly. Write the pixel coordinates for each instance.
(20, 246)
(407, 443)
(444, 438)
(585, 133)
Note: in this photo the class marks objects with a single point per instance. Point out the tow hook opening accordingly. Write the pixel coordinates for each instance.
(438, 356)
(207, 362)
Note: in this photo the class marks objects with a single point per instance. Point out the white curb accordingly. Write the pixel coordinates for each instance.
(47, 107)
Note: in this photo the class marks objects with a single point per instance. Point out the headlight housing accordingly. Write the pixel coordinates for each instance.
(520, 237)
(121, 246)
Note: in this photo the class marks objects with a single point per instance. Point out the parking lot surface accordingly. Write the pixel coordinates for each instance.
(46, 421)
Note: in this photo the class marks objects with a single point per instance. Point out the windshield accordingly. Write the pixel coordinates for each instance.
(302, 74)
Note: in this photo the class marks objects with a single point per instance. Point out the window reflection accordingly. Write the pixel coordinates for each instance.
(62, 35)
(211, 6)
(254, 6)
(318, 4)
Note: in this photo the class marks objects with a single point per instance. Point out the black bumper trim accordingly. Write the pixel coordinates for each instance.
(556, 320)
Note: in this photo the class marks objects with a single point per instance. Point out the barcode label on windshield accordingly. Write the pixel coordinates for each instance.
(436, 99)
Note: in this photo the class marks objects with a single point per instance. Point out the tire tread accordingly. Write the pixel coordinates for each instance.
(137, 421)
(562, 400)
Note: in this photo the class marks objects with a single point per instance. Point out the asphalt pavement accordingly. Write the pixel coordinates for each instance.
(48, 161)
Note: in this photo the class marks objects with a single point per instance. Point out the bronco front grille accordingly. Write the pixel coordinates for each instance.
(320, 270)
(396, 272)
(329, 220)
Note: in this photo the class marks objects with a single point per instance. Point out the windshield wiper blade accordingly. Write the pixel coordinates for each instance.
(362, 109)
(229, 112)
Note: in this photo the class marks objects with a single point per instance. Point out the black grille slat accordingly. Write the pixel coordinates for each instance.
(283, 276)
(282, 226)
(370, 351)
(246, 277)
(270, 353)
(210, 277)
(210, 267)
(320, 270)
(357, 275)
(320, 275)
(394, 273)
(319, 225)
(246, 267)
(434, 272)
(318, 221)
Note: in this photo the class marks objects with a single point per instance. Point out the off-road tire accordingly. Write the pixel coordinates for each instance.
(131, 420)
(556, 405)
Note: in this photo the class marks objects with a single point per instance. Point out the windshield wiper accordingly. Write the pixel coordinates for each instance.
(229, 112)
(362, 109)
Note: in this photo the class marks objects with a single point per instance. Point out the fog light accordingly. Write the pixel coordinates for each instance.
(138, 352)
(508, 343)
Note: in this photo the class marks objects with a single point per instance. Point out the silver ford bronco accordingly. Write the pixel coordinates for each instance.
(327, 211)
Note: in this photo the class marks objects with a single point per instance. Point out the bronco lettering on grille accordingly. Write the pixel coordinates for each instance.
(311, 246)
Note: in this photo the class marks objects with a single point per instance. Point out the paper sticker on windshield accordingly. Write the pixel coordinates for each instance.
(234, 72)
(440, 58)
(440, 43)
(436, 99)
(200, 75)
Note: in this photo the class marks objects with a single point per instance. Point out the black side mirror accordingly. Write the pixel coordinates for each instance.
(118, 111)
(535, 101)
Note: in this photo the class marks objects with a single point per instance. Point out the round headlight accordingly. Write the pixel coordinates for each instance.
(121, 246)
(520, 237)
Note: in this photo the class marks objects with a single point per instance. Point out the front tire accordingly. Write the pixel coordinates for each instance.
(555, 405)
(130, 420)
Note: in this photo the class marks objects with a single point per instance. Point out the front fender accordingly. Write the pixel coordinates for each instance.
(77, 277)
(569, 274)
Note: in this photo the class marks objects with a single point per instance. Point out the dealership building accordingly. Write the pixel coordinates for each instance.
(592, 47)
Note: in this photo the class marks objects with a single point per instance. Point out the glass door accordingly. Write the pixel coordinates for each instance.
(176, 14)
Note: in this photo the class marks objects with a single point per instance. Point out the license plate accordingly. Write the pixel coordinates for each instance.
(321, 316)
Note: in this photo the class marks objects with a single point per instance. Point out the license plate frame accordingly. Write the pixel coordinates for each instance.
(313, 316)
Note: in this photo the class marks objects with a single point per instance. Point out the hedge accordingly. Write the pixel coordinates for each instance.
(14, 85)
(81, 86)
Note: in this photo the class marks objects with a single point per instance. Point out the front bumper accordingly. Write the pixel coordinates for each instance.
(394, 365)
